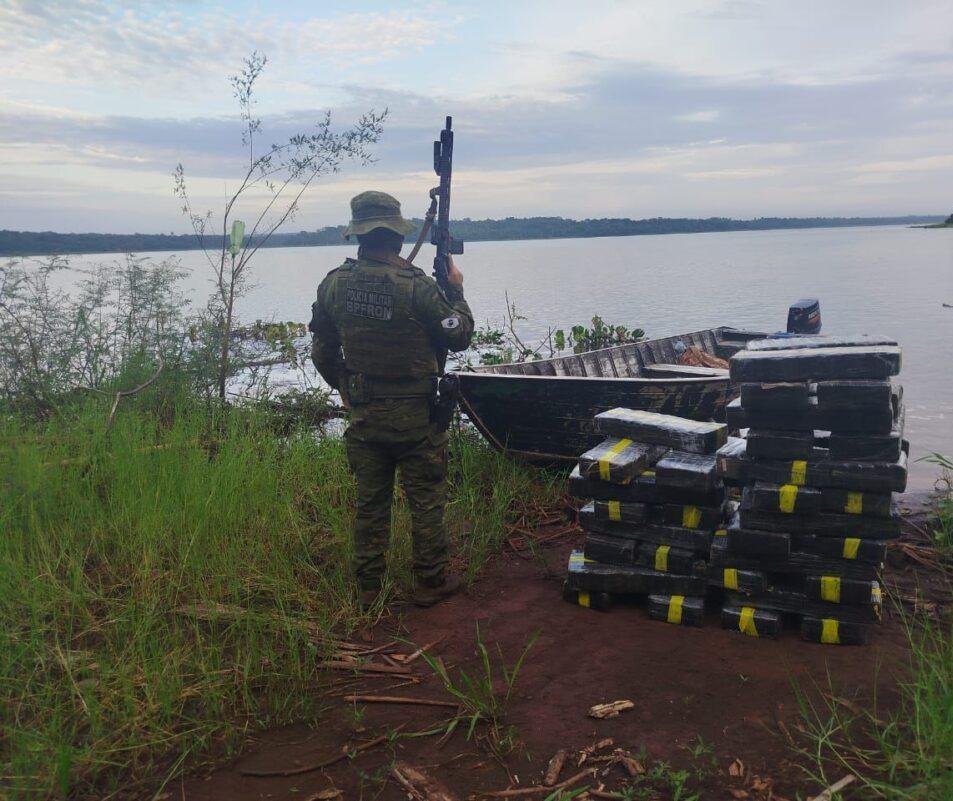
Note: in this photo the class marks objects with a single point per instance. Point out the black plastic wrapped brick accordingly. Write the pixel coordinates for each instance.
(789, 600)
(792, 499)
(749, 582)
(690, 539)
(795, 564)
(751, 621)
(831, 631)
(853, 548)
(610, 550)
(601, 601)
(837, 590)
(818, 341)
(640, 489)
(778, 396)
(679, 610)
(754, 542)
(827, 524)
(688, 515)
(666, 559)
(853, 394)
(881, 447)
(806, 364)
(688, 472)
(621, 511)
(736, 468)
(862, 420)
(782, 498)
(662, 429)
(765, 443)
(593, 577)
(618, 461)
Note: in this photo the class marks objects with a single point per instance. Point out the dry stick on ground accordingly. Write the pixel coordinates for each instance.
(366, 667)
(397, 699)
(344, 754)
(542, 788)
(836, 787)
(423, 649)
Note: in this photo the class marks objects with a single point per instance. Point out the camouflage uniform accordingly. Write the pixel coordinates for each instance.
(381, 328)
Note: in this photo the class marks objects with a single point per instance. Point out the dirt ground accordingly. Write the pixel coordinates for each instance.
(735, 692)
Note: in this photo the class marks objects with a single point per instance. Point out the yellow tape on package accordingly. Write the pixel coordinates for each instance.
(746, 624)
(675, 609)
(830, 589)
(830, 631)
(798, 472)
(606, 463)
(855, 503)
(691, 516)
(787, 498)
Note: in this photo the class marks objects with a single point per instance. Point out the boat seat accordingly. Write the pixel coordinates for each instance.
(682, 371)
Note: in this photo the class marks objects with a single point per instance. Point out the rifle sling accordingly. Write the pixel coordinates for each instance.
(425, 229)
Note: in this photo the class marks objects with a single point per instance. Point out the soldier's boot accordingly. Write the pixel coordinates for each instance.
(430, 592)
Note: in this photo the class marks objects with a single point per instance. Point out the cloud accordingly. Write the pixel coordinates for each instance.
(723, 108)
(709, 115)
(176, 49)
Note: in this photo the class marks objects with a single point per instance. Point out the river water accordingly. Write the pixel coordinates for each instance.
(890, 281)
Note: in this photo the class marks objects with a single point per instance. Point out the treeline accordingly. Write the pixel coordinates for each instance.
(33, 243)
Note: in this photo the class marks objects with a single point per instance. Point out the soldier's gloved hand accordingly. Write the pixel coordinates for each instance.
(454, 276)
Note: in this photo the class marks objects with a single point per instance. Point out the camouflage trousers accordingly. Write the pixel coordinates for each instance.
(419, 455)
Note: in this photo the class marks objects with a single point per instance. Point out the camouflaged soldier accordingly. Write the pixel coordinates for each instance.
(381, 328)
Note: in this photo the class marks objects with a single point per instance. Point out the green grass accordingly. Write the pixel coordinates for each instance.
(902, 755)
(943, 518)
(108, 547)
(484, 694)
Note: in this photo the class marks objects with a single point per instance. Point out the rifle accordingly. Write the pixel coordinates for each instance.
(440, 233)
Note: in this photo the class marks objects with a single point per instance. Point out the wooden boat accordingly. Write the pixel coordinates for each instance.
(543, 410)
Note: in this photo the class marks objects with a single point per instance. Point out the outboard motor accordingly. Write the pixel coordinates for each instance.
(804, 317)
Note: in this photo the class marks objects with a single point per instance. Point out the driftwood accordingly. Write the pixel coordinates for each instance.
(419, 785)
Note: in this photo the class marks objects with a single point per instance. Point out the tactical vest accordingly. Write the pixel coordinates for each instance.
(372, 305)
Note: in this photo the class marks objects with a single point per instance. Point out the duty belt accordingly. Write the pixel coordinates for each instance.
(363, 388)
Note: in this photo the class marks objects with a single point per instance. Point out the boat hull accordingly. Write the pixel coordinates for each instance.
(550, 418)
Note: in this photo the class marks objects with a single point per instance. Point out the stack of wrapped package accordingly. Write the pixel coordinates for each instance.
(824, 450)
(655, 501)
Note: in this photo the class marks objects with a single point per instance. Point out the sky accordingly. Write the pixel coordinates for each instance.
(607, 108)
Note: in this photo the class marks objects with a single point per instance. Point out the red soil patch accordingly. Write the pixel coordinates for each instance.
(735, 692)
